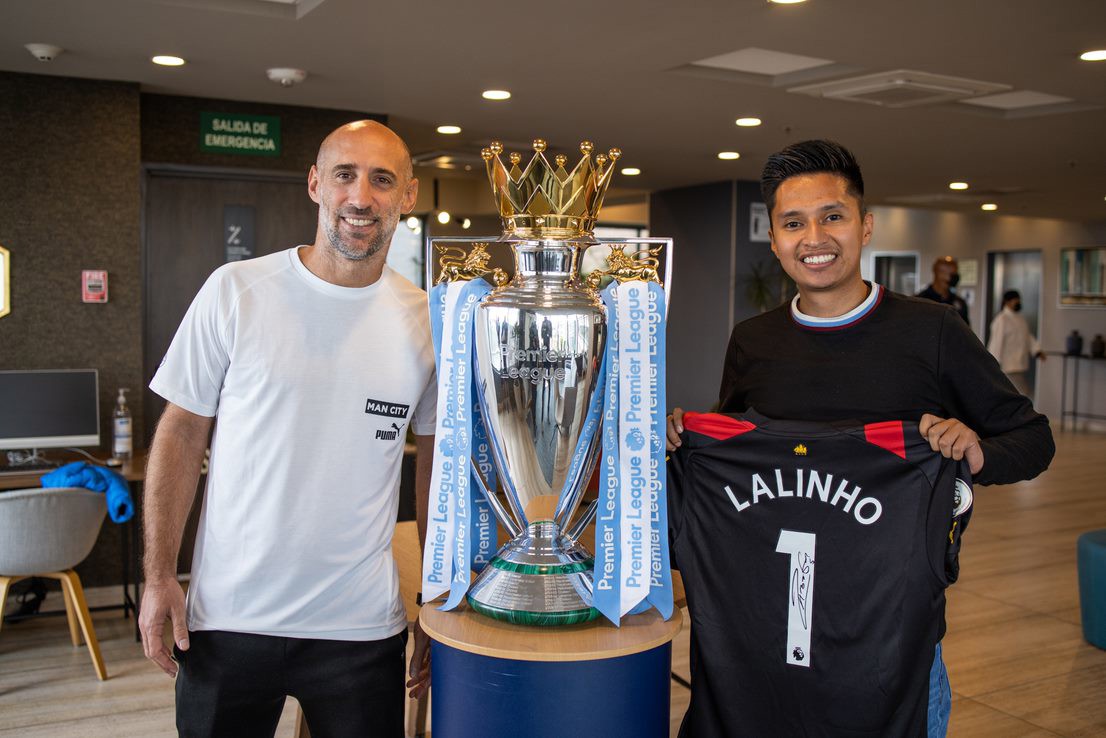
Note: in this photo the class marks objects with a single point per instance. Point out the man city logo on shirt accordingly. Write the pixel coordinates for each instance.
(962, 498)
(387, 409)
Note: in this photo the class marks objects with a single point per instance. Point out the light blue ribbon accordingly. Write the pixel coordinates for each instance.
(456, 441)
(607, 573)
(482, 530)
(608, 564)
(660, 589)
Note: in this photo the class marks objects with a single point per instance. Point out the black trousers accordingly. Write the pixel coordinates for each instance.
(233, 685)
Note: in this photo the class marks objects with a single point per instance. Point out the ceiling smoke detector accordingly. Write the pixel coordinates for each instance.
(44, 52)
(286, 76)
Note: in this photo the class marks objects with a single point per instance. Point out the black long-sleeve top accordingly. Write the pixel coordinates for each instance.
(904, 358)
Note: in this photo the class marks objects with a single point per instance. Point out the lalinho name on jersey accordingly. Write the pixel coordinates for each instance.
(806, 484)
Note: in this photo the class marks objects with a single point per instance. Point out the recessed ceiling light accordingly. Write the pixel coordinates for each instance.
(413, 223)
(631, 171)
(496, 95)
(787, 2)
(466, 223)
(1094, 55)
(988, 206)
(728, 155)
(443, 217)
(166, 60)
(958, 185)
(449, 130)
(748, 122)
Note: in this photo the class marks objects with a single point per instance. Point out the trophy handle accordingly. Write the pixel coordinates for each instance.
(580, 525)
(497, 507)
(568, 503)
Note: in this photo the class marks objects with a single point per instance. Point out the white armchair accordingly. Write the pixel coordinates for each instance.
(45, 533)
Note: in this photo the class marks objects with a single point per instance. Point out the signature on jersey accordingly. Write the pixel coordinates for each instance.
(801, 576)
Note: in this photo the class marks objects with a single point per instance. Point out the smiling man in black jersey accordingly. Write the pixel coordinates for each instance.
(849, 350)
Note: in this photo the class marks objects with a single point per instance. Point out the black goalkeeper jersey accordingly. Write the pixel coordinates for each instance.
(815, 559)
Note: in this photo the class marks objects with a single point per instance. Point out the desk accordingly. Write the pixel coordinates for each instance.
(134, 471)
(1076, 360)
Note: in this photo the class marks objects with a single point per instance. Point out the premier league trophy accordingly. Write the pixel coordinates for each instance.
(540, 374)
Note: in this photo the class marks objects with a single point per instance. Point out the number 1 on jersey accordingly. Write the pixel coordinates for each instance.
(800, 594)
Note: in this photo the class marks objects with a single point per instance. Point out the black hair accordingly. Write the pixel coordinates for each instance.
(1009, 295)
(811, 157)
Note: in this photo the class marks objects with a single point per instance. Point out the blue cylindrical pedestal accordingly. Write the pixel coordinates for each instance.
(1091, 555)
(478, 696)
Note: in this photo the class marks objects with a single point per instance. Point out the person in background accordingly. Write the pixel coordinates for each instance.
(304, 361)
(847, 349)
(945, 278)
(1012, 343)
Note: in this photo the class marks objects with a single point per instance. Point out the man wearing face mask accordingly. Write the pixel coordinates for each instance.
(1012, 342)
(945, 277)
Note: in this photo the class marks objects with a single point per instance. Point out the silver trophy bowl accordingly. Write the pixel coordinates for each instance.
(539, 348)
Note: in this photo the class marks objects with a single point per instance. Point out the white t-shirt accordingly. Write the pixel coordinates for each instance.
(312, 386)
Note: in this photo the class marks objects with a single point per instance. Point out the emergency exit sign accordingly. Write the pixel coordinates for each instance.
(230, 133)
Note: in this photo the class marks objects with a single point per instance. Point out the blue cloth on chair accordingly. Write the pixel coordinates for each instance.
(97, 479)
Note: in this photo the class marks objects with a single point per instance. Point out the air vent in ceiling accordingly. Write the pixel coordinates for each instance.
(901, 88)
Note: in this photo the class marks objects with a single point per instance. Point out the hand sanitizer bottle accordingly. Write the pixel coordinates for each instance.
(121, 440)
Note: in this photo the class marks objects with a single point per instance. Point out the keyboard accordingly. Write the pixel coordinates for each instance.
(37, 467)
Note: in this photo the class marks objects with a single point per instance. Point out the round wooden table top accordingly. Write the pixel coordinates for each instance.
(470, 631)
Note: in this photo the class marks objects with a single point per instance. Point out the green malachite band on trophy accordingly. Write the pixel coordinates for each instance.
(579, 566)
(526, 617)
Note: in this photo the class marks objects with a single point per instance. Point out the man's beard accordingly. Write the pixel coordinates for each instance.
(372, 247)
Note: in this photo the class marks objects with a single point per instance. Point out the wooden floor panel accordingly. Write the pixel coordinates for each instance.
(1018, 665)
(1016, 652)
(1071, 704)
(971, 718)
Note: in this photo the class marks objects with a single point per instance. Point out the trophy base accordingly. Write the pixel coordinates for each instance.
(541, 577)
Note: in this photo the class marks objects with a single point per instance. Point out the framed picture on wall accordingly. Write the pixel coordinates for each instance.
(1083, 277)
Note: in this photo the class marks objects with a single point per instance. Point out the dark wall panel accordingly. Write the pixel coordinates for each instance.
(69, 200)
(699, 221)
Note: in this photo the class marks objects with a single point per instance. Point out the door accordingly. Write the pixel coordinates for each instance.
(193, 224)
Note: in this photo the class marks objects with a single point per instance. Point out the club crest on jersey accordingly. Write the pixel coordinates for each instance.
(800, 450)
(962, 498)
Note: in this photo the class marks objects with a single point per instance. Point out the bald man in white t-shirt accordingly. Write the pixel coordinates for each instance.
(311, 363)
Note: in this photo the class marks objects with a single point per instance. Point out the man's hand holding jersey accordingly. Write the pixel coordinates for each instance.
(952, 439)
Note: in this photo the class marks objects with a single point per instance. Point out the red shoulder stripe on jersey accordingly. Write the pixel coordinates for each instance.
(888, 435)
(717, 426)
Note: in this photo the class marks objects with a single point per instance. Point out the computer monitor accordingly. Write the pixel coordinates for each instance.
(49, 408)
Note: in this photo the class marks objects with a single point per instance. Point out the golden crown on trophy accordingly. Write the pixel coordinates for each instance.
(545, 200)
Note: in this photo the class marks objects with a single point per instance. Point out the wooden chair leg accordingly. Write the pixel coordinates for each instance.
(71, 616)
(72, 582)
(5, 583)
